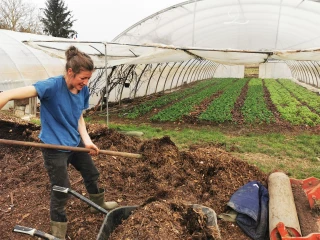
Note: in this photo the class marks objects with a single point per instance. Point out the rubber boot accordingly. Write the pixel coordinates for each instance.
(59, 229)
(99, 200)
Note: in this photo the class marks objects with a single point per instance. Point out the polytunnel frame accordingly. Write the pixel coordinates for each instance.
(188, 64)
(299, 69)
(187, 74)
(313, 74)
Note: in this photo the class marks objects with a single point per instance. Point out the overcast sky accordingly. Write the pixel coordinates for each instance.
(103, 20)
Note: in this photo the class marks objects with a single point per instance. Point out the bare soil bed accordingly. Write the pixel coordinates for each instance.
(163, 182)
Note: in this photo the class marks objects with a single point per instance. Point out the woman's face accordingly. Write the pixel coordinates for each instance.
(78, 81)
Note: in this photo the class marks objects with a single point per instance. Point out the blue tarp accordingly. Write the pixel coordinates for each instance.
(251, 203)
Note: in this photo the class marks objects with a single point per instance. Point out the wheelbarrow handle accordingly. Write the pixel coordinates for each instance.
(33, 232)
(74, 193)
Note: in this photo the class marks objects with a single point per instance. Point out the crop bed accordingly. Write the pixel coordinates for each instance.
(216, 101)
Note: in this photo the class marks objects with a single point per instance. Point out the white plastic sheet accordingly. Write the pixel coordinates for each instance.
(228, 32)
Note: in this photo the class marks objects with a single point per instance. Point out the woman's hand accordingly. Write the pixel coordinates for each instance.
(94, 150)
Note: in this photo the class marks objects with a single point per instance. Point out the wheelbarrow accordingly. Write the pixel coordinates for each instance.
(112, 220)
(115, 217)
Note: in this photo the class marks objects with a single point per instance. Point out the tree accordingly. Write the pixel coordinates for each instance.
(57, 19)
(21, 16)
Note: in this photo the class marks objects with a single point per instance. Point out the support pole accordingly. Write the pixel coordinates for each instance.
(107, 86)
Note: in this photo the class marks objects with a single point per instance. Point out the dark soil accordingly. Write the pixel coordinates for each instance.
(163, 178)
(236, 112)
(164, 182)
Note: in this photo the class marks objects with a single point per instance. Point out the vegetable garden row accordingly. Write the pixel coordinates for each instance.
(291, 102)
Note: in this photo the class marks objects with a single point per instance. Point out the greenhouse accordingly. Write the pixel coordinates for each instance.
(187, 42)
(203, 123)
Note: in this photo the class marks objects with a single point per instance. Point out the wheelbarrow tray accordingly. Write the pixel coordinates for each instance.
(113, 219)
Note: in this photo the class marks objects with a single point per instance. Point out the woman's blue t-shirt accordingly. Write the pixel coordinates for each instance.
(60, 111)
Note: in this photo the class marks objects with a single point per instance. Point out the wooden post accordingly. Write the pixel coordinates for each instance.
(33, 106)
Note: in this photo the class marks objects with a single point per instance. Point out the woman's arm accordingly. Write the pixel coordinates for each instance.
(86, 138)
(17, 93)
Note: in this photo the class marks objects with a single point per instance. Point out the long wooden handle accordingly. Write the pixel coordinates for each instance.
(68, 148)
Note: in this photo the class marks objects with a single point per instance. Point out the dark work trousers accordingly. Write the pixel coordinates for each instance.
(56, 162)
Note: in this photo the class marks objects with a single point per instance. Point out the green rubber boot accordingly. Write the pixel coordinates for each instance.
(59, 229)
(99, 200)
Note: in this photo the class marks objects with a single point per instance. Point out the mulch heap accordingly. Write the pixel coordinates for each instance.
(164, 183)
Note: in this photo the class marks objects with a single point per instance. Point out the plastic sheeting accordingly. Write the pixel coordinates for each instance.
(255, 25)
(190, 40)
(22, 65)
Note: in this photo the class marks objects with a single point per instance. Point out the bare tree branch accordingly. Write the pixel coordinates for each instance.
(21, 16)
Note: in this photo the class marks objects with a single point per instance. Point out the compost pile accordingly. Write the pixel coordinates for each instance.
(164, 183)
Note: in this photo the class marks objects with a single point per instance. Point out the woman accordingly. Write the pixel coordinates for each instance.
(63, 99)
